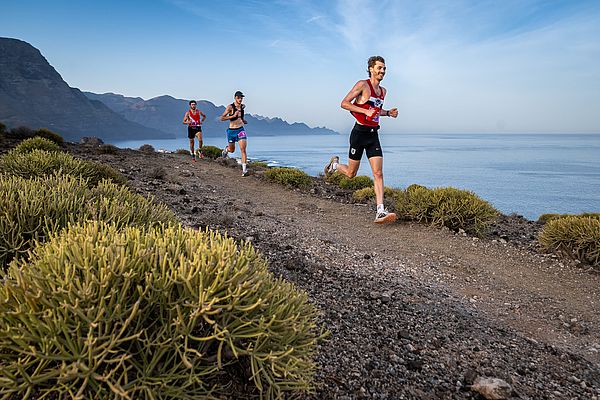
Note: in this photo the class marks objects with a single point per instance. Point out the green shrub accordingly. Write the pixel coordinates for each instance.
(182, 151)
(358, 182)
(21, 132)
(260, 164)
(365, 194)
(48, 134)
(108, 149)
(32, 209)
(288, 176)
(146, 148)
(36, 143)
(548, 217)
(453, 208)
(211, 151)
(2, 128)
(575, 236)
(152, 314)
(335, 178)
(40, 163)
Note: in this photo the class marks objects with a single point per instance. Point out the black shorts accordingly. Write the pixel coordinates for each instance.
(364, 138)
(193, 130)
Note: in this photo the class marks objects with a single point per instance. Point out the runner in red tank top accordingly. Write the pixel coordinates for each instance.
(194, 123)
(365, 103)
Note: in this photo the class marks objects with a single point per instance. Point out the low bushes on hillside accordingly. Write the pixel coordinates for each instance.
(36, 143)
(548, 217)
(356, 183)
(260, 164)
(288, 176)
(2, 128)
(48, 134)
(41, 162)
(32, 209)
(453, 208)
(21, 132)
(211, 151)
(182, 151)
(147, 148)
(107, 149)
(152, 314)
(365, 194)
(576, 236)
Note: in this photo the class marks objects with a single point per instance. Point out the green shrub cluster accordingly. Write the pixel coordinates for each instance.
(48, 134)
(211, 152)
(449, 207)
(365, 194)
(36, 143)
(260, 164)
(575, 236)
(146, 148)
(356, 183)
(288, 176)
(32, 209)
(182, 151)
(165, 313)
(2, 128)
(548, 217)
(21, 132)
(108, 149)
(40, 163)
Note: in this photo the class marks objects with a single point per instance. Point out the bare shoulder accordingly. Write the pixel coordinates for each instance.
(384, 90)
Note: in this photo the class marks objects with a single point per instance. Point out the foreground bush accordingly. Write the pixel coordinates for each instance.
(159, 314)
(108, 149)
(21, 132)
(36, 143)
(147, 148)
(260, 164)
(211, 151)
(32, 209)
(548, 217)
(576, 236)
(41, 163)
(48, 134)
(453, 208)
(356, 183)
(288, 176)
(182, 151)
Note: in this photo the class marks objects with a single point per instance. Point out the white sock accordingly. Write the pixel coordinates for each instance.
(380, 208)
(334, 166)
(243, 167)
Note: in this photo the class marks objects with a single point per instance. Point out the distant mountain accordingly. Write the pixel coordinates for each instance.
(166, 114)
(33, 94)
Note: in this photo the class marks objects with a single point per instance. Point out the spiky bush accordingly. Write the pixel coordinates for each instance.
(108, 149)
(335, 178)
(146, 148)
(288, 176)
(32, 209)
(21, 132)
(48, 134)
(576, 236)
(182, 151)
(40, 163)
(366, 194)
(169, 313)
(548, 217)
(356, 183)
(260, 164)
(36, 143)
(211, 151)
(453, 208)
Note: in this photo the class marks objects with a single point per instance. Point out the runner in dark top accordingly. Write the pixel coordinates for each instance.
(193, 121)
(234, 113)
(365, 103)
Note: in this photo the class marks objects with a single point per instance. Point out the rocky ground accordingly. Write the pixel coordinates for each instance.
(414, 312)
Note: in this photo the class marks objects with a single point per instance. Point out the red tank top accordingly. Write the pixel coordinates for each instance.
(375, 102)
(194, 118)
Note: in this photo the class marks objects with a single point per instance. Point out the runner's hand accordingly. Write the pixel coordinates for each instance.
(371, 112)
(393, 112)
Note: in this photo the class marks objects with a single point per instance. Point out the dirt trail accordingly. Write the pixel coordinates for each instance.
(414, 311)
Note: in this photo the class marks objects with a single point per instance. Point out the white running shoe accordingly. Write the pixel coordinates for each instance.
(384, 217)
(224, 153)
(329, 167)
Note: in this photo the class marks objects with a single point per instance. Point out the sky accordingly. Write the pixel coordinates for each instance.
(512, 66)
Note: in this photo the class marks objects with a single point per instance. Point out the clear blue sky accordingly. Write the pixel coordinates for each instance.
(453, 66)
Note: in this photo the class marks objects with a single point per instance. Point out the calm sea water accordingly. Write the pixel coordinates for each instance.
(523, 174)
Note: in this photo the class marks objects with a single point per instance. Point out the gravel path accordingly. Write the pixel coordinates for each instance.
(414, 312)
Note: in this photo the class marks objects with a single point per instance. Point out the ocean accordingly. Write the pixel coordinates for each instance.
(524, 174)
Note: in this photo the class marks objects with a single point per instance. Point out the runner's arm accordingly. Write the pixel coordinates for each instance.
(186, 118)
(225, 116)
(352, 95)
(203, 116)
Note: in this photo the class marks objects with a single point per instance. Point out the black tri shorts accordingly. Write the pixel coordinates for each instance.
(193, 130)
(364, 138)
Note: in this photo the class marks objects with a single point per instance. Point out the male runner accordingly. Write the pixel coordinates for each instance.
(365, 103)
(192, 120)
(234, 113)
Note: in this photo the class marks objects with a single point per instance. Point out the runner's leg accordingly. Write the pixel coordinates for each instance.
(243, 144)
(192, 146)
(349, 170)
(199, 136)
(377, 168)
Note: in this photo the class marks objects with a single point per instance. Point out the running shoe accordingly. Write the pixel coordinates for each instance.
(224, 153)
(244, 173)
(329, 167)
(384, 217)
